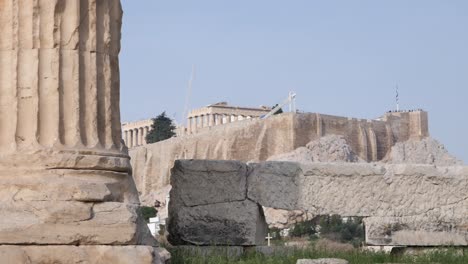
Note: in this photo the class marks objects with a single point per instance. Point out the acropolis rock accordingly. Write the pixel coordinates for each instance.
(64, 173)
(261, 139)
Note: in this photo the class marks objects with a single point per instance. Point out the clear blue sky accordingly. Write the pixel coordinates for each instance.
(341, 57)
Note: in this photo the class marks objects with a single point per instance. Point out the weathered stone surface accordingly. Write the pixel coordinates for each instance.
(418, 205)
(232, 223)
(425, 230)
(331, 148)
(412, 205)
(425, 151)
(68, 207)
(281, 219)
(322, 261)
(209, 198)
(384, 191)
(274, 184)
(207, 182)
(82, 254)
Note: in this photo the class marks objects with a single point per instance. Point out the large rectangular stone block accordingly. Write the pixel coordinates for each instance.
(25, 254)
(199, 182)
(274, 184)
(415, 231)
(209, 205)
(234, 223)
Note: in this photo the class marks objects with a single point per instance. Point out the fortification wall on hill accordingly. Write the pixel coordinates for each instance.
(257, 140)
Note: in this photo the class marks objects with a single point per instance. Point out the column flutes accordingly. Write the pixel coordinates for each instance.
(59, 75)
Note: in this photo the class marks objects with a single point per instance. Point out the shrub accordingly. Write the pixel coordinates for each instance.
(148, 212)
(303, 229)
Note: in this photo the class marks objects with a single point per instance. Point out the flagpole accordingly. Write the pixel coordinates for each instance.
(397, 98)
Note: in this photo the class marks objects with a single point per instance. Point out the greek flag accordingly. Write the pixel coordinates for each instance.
(397, 98)
(397, 95)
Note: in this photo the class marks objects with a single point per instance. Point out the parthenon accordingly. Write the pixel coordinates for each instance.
(134, 133)
(221, 113)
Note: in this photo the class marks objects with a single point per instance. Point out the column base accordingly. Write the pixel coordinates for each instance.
(23, 254)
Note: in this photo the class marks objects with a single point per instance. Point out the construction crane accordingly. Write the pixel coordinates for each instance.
(291, 100)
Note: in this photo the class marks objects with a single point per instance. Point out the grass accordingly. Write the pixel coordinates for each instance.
(448, 256)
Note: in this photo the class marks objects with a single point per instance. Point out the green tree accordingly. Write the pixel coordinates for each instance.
(161, 129)
(148, 212)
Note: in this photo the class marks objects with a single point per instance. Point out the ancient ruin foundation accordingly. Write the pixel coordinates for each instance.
(64, 177)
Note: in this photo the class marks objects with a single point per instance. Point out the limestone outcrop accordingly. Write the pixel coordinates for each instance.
(64, 173)
(331, 148)
(209, 205)
(402, 205)
(425, 151)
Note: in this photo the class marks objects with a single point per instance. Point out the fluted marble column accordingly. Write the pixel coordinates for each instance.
(130, 138)
(141, 138)
(135, 138)
(219, 119)
(59, 76)
(189, 125)
(211, 121)
(125, 136)
(64, 177)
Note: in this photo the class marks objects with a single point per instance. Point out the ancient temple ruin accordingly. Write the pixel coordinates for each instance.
(65, 186)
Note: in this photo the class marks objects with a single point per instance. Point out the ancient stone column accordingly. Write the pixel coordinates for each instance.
(135, 137)
(145, 133)
(202, 121)
(125, 137)
(189, 125)
(219, 119)
(64, 176)
(195, 124)
(140, 136)
(211, 120)
(130, 139)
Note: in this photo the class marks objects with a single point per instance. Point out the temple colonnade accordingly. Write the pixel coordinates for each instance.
(134, 133)
(212, 119)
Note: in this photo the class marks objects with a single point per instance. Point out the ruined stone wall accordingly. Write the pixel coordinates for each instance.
(257, 140)
(402, 205)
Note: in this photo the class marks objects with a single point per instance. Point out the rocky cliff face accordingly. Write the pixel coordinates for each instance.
(259, 140)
